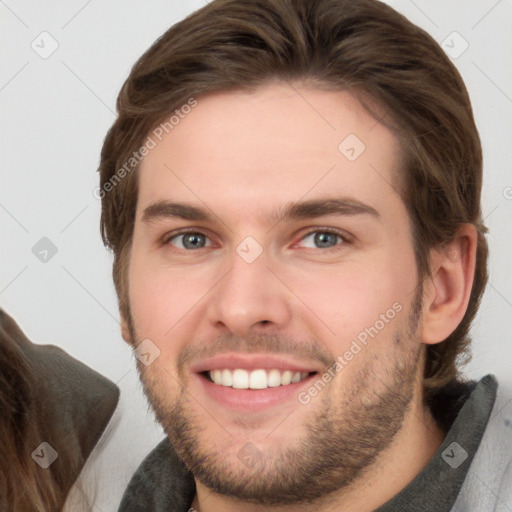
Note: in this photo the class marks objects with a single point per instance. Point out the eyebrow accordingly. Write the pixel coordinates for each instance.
(291, 211)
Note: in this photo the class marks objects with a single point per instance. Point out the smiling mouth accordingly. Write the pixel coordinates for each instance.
(254, 379)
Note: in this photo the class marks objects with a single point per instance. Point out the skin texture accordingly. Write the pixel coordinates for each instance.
(243, 156)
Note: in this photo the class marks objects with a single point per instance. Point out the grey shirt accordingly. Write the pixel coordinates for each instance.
(162, 483)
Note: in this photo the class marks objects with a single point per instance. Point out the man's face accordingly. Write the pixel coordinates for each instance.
(250, 300)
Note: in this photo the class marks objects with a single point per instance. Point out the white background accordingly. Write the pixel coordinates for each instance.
(55, 114)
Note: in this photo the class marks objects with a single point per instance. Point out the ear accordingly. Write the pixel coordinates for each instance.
(125, 330)
(446, 294)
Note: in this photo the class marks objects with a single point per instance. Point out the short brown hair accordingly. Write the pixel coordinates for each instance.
(362, 46)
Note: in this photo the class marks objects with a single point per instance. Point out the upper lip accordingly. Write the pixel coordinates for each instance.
(251, 362)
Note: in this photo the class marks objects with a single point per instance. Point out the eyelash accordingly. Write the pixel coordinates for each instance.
(344, 237)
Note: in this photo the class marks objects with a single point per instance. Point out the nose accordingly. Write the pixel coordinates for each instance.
(250, 298)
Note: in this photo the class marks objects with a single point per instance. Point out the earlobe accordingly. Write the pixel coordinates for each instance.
(447, 293)
(125, 330)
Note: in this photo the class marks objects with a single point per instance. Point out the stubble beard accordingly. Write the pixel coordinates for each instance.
(340, 442)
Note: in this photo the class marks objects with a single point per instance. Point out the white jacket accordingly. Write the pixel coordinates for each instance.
(488, 483)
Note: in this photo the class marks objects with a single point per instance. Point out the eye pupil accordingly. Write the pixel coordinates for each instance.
(322, 239)
(194, 239)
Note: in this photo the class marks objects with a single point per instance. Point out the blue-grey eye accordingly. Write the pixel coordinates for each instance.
(190, 240)
(323, 239)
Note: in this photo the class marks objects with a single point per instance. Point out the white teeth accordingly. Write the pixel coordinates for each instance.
(227, 378)
(286, 378)
(256, 379)
(217, 376)
(240, 379)
(274, 378)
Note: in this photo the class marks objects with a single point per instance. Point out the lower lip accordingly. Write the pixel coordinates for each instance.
(251, 400)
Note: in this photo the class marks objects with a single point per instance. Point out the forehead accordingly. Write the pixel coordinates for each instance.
(277, 144)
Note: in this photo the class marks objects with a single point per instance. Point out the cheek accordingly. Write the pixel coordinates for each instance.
(154, 317)
(153, 298)
(164, 303)
(351, 298)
